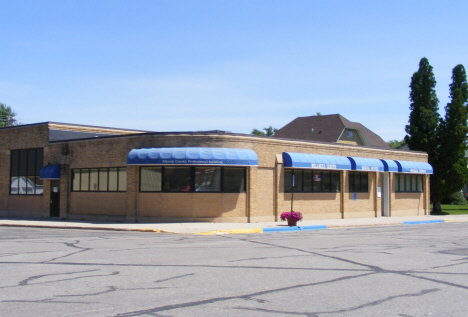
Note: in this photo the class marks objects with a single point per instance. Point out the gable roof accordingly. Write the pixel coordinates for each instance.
(327, 128)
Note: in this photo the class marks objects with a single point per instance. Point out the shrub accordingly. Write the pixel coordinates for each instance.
(456, 198)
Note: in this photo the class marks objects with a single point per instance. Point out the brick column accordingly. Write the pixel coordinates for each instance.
(343, 193)
(132, 193)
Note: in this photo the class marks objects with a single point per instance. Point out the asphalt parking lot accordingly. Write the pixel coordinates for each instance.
(380, 271)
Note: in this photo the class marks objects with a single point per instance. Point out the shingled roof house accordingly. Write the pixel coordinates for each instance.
(332, 128)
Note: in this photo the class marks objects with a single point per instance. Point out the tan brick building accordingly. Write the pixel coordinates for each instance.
(103, 174)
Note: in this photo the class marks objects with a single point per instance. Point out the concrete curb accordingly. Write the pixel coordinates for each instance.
(237, 231)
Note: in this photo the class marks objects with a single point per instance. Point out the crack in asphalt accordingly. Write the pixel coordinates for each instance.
(226, 298)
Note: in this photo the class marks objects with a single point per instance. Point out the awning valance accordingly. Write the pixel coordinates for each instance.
(366, 164)
(390, 166)
(414, 167)
(192, 156)
(50, 172)
(316, 161)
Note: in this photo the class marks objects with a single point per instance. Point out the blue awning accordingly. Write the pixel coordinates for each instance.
(414, 167)
(50, 172)
(390, 166)
(192, 156)
(316, 161)
(366, 164)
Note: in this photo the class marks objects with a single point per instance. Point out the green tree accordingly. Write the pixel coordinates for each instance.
(270, 131)
(395, 144)
(459, 82)
(424, 117)
(7, 116)
(450, 169)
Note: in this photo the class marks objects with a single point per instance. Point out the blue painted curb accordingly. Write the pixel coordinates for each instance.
(422, 222)
(313, 228)
(294, 228)
(281, 229)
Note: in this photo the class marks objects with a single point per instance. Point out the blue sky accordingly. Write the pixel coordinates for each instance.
(226, 65)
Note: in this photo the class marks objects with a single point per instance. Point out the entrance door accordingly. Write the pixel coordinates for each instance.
(54, 199)
(386, 195)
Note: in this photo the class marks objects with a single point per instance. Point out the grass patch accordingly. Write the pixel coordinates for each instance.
(453, 210)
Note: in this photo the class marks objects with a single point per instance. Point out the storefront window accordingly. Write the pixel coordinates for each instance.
(408, 183)
(25, 166)
(312, 181)
(150, 179)
(192, 179)
(99, 179)
(358, 182)
(207, 179)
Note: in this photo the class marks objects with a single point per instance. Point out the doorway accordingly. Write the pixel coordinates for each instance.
(385, 195)
(54, 199)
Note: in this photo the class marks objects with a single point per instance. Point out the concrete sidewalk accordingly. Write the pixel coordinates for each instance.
(209, 228)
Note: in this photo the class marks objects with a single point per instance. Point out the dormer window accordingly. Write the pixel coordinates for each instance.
(350, 133)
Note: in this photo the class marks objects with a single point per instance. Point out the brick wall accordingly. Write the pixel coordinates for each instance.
(264, 200)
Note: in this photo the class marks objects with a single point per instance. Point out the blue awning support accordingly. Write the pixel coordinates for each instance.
(414, 167)
(50, 172)
(366, 164)
(192, 156)
(390, 166)
(316, 161)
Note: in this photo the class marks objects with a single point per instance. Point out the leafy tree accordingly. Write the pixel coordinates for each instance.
(424, 117)
(270, 131)
(7, 116)
(450, 169)
(395, 144)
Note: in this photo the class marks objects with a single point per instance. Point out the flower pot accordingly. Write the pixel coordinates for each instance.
(292, 222)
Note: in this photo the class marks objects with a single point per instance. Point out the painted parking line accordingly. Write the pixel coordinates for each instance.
(423, 222)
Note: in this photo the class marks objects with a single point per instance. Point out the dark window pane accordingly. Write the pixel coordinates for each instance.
(31, 162)
(317, 186)
(308, 181)
(335, 181)
(103, 174)
(326, 181)
(357, 182)
(402, 182)
(420, 182)
(150, 179)
(207, 179)
(414, 183)
(23, 185)
(14, 171)
(113, 175)
(39, 186)
(39, 160)
(14, 188)
(297, 180)
(76, 180)
(177, 179)
(234, 179)
(122, 179)
(84, 180)
(407, 183)
(364, 182)
(23, 163)
(93, 179)
(30, 185)
(351, 182)
(287, 180)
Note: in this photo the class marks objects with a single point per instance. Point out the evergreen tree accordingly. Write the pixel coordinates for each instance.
(450, 168)
(424, 117)
(459, 82)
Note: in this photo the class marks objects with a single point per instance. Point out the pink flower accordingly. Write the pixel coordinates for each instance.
(286, 215)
